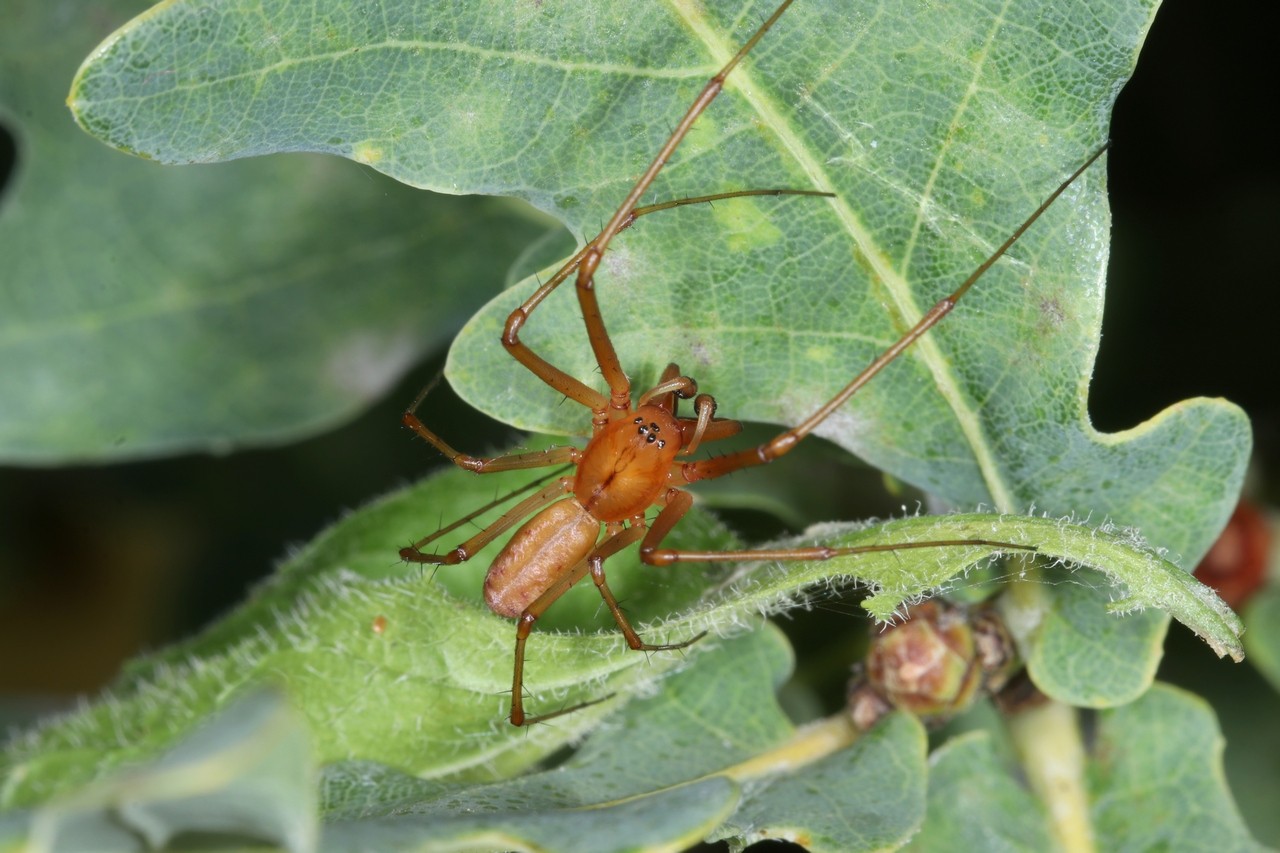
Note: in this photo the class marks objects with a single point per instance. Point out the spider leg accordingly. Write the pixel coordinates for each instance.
(781, 444)
(678, 503)
(570, 386)
(567, 385)
(505, 522)
(593, 564)
(471, 516)
(589, 260)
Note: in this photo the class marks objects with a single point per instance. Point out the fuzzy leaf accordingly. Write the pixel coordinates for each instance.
(402, 667)
(388, 663)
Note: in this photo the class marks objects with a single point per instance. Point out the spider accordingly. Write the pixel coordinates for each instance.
(637, 456)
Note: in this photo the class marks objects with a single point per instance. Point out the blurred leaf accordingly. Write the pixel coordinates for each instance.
(638, 772)
(1155, 783)
(1156, 778)
(244, 778)
(1262, 637)
(643, 774)
(669, 819)
(1247, 706)
(870, 796)
(146, 311)
(975, 803)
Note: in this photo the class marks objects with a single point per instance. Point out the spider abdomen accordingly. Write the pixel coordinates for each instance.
(624, 467)
(541, 551)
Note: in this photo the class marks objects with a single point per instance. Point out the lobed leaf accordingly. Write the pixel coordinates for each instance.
(773, 304)
(939, 129)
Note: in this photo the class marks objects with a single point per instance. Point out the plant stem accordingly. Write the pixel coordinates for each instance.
(1048, 736)
(810, 743)
(1048, 740)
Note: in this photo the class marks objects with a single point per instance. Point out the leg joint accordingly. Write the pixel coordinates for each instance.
(511, 331)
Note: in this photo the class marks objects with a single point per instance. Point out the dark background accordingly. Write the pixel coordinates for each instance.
(97, 563)
(1192, 296)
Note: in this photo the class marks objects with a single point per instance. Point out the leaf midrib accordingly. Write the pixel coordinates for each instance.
(895, 284)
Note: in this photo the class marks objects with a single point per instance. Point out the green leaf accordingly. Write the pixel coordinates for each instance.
(716, 714)
(663, 773)
(1156, 779)
(975, 803)
(868, 797)
(150, 311)
(773, 304)
(1140, 577)
(640, 776)
(1262, 637)
(388, 663)
(247, 776)
(1247, 706)
(669, 819)
(939, 130)
(1081, 657)
(1155, 783)
(399, 666)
